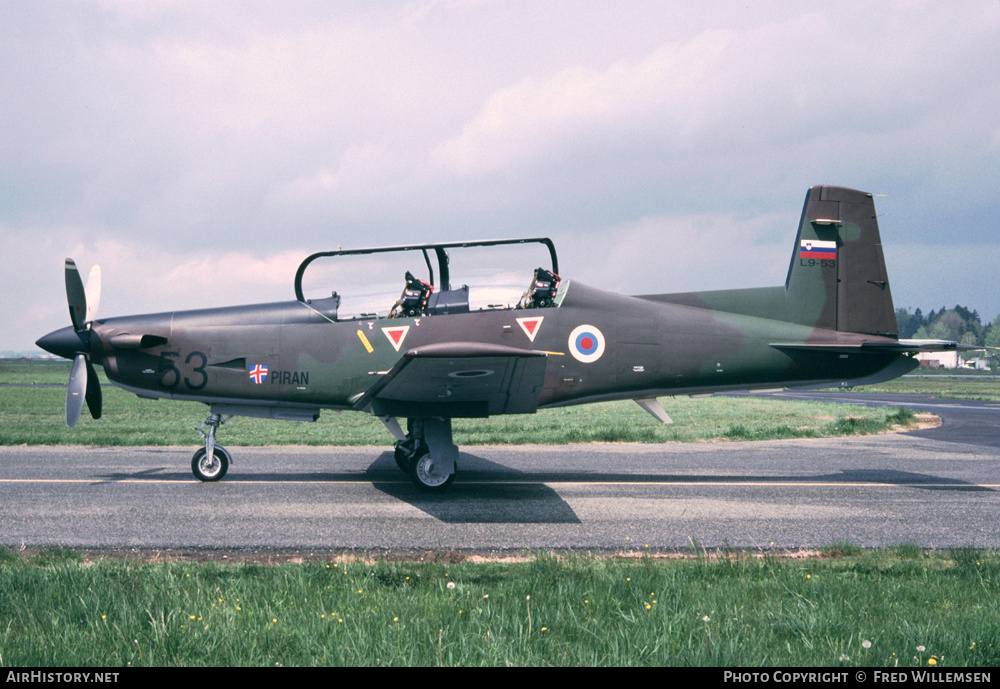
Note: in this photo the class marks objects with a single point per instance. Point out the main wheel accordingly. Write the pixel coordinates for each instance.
(405, 453)
(206, 469)
(423, 477)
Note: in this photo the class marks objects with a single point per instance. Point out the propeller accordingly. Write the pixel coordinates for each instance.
(74, 343)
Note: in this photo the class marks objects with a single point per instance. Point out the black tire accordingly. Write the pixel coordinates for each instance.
(423, 479)
(405, 455)
(210, 471)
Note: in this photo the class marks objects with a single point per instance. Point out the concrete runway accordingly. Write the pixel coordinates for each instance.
(937, 488)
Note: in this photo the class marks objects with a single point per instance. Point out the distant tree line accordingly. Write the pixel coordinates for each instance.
(958, 324)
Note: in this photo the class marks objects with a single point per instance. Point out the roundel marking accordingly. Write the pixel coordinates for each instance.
(586, 343)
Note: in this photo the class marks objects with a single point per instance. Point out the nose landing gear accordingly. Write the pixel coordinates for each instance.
(210, 463)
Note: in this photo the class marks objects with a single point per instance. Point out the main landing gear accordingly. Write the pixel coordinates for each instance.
(210, 463)
(427, 454)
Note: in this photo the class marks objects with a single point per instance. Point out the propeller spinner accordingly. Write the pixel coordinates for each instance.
(74, 343)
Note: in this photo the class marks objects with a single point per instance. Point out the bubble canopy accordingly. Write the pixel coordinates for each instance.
(439, 252)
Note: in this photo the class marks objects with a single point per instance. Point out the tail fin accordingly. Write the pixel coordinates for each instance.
(837, 276)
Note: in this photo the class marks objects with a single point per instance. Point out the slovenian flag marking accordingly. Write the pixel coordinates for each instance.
(818, 248)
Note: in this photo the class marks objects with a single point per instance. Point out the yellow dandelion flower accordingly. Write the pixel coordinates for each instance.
(648, 606)
(191, 617)
(395, 619)
(104, 617)
(932, 661)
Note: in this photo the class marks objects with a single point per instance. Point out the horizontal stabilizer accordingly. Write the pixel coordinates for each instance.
(897, 346)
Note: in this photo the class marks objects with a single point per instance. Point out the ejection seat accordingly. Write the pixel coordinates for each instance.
(413, 301)
(542, 290)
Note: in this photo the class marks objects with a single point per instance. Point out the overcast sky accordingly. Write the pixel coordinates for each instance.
(199, 150)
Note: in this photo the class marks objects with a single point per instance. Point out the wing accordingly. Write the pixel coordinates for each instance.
(458, 379)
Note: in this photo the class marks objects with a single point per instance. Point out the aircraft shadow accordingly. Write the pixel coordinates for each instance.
(503, 502)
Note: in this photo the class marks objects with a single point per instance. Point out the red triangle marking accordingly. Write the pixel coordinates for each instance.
(530, 326)
(396, 335)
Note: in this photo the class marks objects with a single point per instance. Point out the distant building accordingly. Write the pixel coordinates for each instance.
(938, 359)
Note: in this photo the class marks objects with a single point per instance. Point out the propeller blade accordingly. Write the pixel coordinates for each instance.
(75, 295)
(94, 399)
(93, 292)
(76, 390)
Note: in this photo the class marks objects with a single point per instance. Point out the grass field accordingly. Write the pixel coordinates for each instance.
(897, 607)
(32, 399)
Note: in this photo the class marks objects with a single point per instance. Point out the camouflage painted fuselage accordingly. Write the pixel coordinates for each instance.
(647, 348)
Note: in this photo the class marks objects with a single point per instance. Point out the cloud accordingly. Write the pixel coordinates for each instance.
(185, 135)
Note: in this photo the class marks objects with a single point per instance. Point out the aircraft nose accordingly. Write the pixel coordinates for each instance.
(65, 342)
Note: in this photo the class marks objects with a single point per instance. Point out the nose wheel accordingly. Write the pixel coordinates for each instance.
(210, 463)
(210, 469)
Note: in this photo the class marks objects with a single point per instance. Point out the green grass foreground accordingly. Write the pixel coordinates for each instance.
(897, 607)
(34, 415)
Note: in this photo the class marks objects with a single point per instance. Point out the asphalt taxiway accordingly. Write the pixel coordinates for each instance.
(935, 488)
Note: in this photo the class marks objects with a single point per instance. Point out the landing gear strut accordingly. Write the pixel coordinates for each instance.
(428, 455)
(211, 462)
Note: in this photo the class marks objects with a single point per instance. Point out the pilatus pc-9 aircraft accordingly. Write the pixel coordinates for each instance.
(430, 357)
